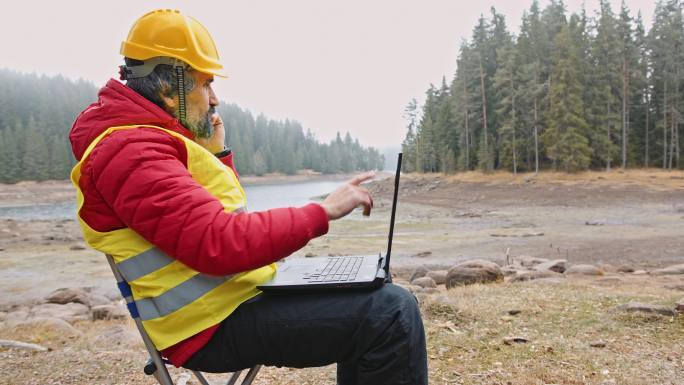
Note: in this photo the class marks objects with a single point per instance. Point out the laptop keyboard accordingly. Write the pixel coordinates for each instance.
(338, 269)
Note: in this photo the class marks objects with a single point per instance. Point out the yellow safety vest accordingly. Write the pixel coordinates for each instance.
(174, 301)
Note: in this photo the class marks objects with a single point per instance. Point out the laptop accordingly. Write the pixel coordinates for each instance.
(338, 272)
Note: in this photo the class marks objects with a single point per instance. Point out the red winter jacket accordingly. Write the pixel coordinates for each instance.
(139, 179)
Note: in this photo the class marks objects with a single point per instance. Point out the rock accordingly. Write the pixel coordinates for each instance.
(640, 272)
(475, 271)
(95, 299)
(515, 340)
(423, 254)
(77, 247)
(675, 286)
(514, 311)
(598, 344)
(107, 312)
(534, 275)
(679, 306)
(112, 294)
(608, 280)
(583, 270)
(557, 265)
(182, 379)
(528, 261)
(509, 270)
(56, 325)
(413, 288)
(419, 272)
(309, 255)
(670, 270)
(550, 281)
(632, 307)
(424, 282)
(67, 295)
(605, 267)
(441, 305)
(69, 312)
(479, 264)
(119, 335)
(16, 316)
(10, 344)
(438, 275)
(626, 269)
(422, 297)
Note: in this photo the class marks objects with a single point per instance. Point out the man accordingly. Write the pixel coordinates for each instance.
(158, 192)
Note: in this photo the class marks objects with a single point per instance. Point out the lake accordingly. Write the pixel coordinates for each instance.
(259, 197)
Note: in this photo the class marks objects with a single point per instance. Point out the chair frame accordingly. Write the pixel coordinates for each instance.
(156, 365)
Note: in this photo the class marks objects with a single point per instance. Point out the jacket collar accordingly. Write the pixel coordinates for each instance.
(118, 105)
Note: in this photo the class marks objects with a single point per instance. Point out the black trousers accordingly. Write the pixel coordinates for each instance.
(375, 337)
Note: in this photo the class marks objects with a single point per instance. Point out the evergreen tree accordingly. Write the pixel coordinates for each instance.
(506, 89)
(408, 146)
(564, 139)
(623, 97)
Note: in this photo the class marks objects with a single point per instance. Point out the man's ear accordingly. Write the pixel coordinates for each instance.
(169, 102)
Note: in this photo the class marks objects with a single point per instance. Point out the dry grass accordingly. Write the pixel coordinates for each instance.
(654, 178)
(466, 328)
(560, 320)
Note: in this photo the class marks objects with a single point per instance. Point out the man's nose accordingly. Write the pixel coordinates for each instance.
(213, 99)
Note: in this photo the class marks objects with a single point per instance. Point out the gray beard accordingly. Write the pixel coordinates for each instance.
(201, 128)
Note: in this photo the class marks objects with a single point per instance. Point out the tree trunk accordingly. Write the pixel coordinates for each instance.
(625, 82)
(677, 145)
(536, 118)
(672, 137)
(665, 125)
(536, 139)
(484, 115)
(467, 133)
(648, 108)
(609, 156)
(676, 127)
(515, 156)
(675, 119)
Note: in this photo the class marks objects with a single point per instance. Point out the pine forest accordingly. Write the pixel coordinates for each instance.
(567, 93)
(36, 113)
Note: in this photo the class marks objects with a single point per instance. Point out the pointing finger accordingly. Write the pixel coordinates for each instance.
(357, 180)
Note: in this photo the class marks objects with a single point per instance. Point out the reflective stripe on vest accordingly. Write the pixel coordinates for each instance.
(181, 295)
(174, 301)
(162, 305)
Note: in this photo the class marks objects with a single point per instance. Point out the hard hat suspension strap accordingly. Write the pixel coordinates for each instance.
(180, 82)
(140, 71)
(128, 72)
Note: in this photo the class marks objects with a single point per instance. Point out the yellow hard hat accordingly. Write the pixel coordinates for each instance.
(167, 32)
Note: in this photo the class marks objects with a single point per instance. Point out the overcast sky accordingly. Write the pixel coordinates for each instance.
(334, 66)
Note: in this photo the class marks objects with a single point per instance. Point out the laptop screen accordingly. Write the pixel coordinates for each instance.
(394, 211)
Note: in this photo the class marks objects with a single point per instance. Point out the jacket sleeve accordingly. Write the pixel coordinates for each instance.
(141, 174)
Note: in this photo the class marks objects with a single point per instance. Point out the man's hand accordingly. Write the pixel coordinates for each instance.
(348, 197)
(216, 142)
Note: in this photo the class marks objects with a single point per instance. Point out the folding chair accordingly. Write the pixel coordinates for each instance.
(156, 365)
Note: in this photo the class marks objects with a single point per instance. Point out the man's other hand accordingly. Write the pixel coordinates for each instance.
(348, 197)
